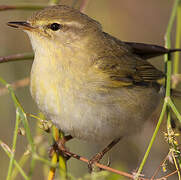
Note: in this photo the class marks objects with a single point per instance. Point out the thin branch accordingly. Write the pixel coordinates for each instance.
(23, 120)
(176, 165)
(121, 173)
(15, 85)
(8, 152)
(165, 177)
(51, 173)
(177, 41)
(24, 158)
(43, 160)
(174, 109)
(13, 146)
(57, 157)
(22, 7)
(171, 21)
(16, 57)
(22, 114)
(168, 64)
(152, 140)
(83, 159)
(158, 168)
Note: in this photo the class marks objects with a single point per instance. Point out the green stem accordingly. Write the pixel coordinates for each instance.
(45, 161)
(174, 109)
(57, 135)
(24, 120)
(167, 58)
(54, 160)
(21, 162)
(13, 146)
(168, 84)
(152, 140)
(168, 63)
(177, 41)
(15, 163)
(32, 167)
(63, 167)
(22, 114)
(171, 21)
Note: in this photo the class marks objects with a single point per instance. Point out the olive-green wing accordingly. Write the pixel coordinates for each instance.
(127, 70)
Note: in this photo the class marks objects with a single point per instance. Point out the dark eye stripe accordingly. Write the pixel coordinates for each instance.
(55, 26)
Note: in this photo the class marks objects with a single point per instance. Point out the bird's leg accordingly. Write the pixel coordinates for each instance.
(99, 156)
(66, 138)
(59, 146)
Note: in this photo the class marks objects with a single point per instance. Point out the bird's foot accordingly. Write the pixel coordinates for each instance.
(100, 155)
(60, 148)
(93, 160)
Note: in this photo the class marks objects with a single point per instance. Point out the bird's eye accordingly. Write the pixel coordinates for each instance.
(55, 26)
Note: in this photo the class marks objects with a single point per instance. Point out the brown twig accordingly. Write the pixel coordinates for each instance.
(121, 173)
(83, 5)
(20, 83)
(21, 7)
(168, 175)
(16, 57)
(101, 165)
(158, 168)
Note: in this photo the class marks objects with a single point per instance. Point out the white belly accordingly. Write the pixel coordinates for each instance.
(96, 116)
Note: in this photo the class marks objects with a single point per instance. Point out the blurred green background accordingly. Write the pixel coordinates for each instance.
(128, 20)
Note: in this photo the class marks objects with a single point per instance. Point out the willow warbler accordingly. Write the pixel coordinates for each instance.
(90, 84)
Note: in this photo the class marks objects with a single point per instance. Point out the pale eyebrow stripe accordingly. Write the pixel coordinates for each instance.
(74, 24)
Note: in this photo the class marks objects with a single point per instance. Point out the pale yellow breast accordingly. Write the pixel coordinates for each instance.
(70, 94)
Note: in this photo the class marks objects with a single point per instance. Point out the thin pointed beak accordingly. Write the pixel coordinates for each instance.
(21, 25)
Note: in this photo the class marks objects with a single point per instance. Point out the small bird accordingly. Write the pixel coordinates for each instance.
(90, 84)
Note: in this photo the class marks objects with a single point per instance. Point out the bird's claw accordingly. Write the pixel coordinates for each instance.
(93, 160)
(59, 148)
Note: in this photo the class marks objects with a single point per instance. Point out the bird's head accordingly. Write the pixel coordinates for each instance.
(58, 25)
